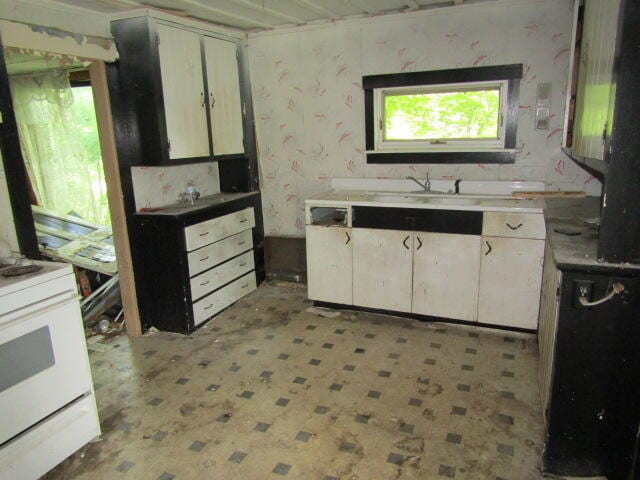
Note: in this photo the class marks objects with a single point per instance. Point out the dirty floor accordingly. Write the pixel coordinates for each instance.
(268, 391)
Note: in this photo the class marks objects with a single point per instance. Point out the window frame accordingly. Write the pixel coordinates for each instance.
(435, 145)
(461, 151)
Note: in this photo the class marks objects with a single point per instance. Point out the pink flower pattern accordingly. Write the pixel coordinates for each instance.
(310, 82)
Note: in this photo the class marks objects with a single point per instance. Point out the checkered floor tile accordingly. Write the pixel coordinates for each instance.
(268, 390)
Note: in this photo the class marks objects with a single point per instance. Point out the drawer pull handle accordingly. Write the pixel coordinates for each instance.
(348, 238)
(489, 248)
(243, 264)
(245, 285)
(419, 243)
(242, 242)
(404, 242)
(208, 307)
(244, 220)
(512, 227)
(204, 283)
(205, 258)
(204, 234)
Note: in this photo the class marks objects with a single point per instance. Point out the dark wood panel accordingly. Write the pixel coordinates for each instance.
(442, 157)
(17, 180)
(434, 77)
(421, 220)
(620, 220)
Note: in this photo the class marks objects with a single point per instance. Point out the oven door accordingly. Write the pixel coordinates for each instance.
(43, 364)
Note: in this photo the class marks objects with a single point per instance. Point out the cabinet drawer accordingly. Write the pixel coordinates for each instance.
(216, 253)
(216, 277)
(210, 231)
(515, 225)
(213, 303)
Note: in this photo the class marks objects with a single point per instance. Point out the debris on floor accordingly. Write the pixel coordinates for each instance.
(324, 312)
(390, 398)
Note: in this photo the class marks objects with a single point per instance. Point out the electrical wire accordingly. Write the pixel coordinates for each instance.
(616, 288)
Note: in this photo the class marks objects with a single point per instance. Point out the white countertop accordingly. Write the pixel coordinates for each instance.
(483, 203)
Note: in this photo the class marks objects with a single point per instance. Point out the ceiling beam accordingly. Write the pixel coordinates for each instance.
(226, 13)
(270, 11)
(308, 4)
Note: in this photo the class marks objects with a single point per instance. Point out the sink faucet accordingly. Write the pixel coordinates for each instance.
(426, 186)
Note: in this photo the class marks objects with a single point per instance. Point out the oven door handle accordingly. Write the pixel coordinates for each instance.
(43, 306)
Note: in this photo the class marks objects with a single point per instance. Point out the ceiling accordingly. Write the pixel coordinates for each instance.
(254, 15)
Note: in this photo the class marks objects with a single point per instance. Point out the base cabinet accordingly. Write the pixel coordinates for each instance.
(510, 281)
(194, 265)
(329, 264)
(382, 265)
(460, 265)
(446, 269)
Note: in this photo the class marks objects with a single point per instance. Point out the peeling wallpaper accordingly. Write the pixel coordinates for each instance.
(309, 104)
(160, 186)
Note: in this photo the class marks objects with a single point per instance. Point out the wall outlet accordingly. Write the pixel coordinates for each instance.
(582, 289)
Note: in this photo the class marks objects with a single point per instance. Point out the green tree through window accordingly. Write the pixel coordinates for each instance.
(459, 115)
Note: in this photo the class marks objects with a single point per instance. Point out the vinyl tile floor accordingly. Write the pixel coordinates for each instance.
(267, 390)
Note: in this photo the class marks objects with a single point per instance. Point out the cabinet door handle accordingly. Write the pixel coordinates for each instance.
(419, 243)
(404, 242)
(204, 234)
(242, 242)
(245, 285)
(243, 264)
(205, 258)
(244, 220)
(348, 238)
(512, 227)
(208, 307)
(213, 100)
(204, 283)
(202, 99)
(488, 248)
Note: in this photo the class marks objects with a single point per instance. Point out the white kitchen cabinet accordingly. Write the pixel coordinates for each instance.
(224, 101)
(382, 266)
(329, 264)
(183, 92)
(446, 271)
(510, 281)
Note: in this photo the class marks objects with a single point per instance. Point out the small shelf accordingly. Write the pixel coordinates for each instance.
(329, 216)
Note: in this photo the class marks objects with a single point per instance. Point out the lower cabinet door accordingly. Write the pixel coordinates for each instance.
(510, 281)
(446, 273)
(329, 264)
(382, 264)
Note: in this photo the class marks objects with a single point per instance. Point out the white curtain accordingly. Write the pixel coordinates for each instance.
(58, 135)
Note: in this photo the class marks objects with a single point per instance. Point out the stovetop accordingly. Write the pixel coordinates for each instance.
(49, 271)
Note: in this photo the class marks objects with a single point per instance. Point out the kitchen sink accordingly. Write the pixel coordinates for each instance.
(396, 198)
(453, 201)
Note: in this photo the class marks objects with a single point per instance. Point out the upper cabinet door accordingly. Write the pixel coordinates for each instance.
(183, 92)
(224, 96)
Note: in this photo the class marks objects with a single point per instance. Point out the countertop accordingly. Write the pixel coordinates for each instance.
(202, 203)
(483, 203)
(569, 215)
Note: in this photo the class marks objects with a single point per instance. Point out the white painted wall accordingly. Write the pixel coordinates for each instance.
(160, 186)
(309, 105)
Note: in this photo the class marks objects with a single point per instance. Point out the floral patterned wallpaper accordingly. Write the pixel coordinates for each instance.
(309, 106)
(160, 186)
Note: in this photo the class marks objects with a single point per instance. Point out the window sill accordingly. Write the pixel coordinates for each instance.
(499, 156)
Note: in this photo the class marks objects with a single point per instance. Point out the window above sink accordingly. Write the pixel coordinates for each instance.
(466, 115)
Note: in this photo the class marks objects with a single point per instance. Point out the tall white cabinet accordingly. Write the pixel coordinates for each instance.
(183, 92)
(224, 96)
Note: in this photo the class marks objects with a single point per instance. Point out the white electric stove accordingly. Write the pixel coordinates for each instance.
(46, 393)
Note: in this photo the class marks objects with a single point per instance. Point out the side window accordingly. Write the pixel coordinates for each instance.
(464, 115)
